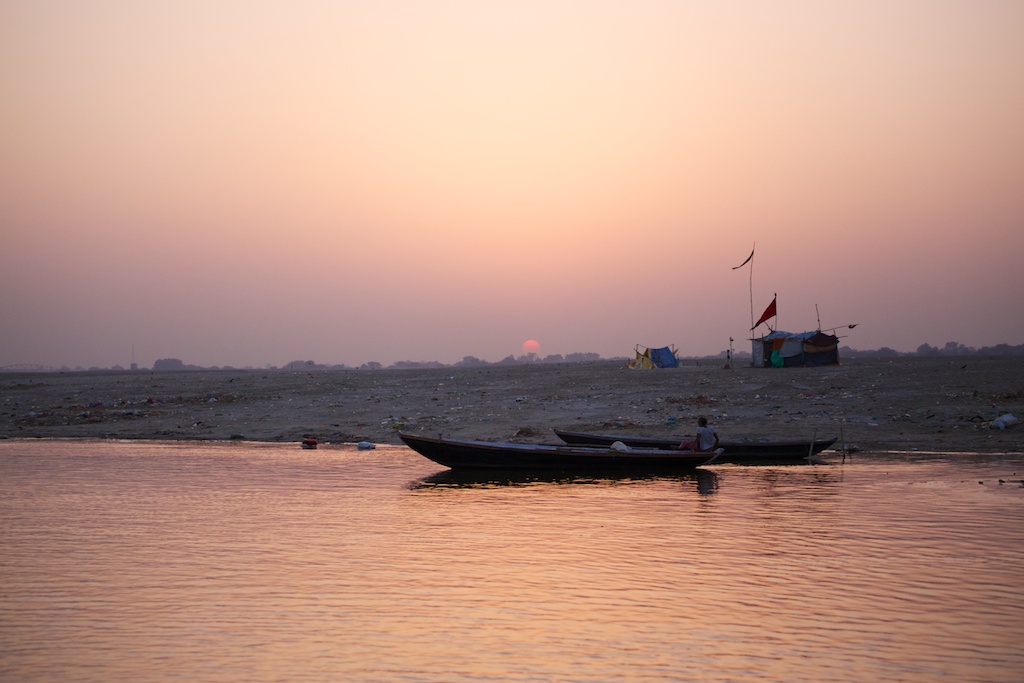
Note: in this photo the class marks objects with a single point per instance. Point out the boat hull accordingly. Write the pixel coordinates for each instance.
(765, 452)
(499, 455)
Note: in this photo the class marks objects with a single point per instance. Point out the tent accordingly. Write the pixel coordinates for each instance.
(786, 349)
(648, 358)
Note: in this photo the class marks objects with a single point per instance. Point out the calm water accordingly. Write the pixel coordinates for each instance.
(255, 562)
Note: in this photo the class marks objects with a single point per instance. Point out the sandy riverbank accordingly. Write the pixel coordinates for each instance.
(929, 404)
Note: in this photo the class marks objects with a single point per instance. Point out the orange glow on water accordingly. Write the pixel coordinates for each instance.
(242, 561)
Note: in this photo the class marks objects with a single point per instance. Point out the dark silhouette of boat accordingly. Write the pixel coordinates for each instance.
(504, 455)
(748, 452)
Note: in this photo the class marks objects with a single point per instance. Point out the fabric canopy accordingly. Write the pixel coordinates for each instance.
(784, 349)
(648, 358)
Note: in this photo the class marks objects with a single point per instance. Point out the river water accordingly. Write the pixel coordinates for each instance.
(150, 561)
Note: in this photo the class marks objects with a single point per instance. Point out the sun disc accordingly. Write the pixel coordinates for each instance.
(531, 346)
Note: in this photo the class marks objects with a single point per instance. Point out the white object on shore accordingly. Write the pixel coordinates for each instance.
(366, 446)
(1003, 421)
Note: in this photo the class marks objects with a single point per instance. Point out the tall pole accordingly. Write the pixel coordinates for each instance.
(752, 288)
(750, 260)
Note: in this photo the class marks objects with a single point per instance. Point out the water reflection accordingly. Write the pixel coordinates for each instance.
(220, 563)
(704, 482)
(807, 482)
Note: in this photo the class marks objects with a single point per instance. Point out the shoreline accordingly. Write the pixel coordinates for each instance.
(903, 405)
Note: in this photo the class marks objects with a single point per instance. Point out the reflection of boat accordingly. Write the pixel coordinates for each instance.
(503, 455)
(704, 481)
(735, 451)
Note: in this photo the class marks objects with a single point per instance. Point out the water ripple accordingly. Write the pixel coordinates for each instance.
(226, 562)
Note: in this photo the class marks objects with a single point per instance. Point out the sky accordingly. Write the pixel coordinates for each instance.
(241, 183)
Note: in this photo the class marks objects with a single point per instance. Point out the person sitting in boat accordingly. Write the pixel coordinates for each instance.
(706, 440)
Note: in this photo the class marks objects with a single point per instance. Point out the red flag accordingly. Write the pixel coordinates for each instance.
(768, 313)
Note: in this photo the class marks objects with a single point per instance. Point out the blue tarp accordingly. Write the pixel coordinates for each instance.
(664, 358)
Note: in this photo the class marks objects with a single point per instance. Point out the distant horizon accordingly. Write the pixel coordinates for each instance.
(950, 349)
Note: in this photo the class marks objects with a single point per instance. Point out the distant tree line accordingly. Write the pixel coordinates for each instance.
(177, 365)
(950, 349)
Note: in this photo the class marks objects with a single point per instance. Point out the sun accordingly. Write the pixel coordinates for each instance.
(531, 346)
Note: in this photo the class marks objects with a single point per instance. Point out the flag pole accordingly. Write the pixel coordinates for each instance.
(750, 260)
(752, 287)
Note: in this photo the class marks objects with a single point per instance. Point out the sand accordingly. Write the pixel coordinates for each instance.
(872, 405)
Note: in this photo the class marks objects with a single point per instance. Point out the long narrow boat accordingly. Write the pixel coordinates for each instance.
(503, 455)
(774, 452)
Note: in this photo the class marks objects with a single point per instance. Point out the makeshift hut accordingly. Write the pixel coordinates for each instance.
(648, 359)
(786, 349)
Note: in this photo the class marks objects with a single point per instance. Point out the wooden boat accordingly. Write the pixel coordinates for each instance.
(503, 455)
(765, 452)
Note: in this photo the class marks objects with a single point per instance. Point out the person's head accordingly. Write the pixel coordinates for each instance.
(702, 421)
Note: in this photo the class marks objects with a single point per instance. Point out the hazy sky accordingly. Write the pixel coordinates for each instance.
(251, 183)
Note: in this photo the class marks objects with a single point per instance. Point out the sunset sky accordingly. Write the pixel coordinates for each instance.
(251, 183)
